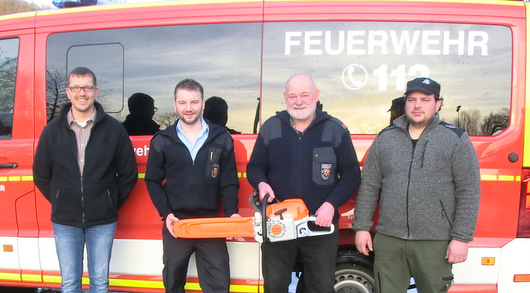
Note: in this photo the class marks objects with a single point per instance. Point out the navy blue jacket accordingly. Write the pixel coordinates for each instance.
(191, 189)
(319, 166)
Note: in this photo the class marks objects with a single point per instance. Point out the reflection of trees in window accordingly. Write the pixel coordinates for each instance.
(8, 73)
(166, 119)
(55, 92)
(494, 123)
(470, 120)
(474, 124)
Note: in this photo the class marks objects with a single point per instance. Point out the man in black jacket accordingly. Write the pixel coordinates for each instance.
(304, 153)
(85, 167)
(191, 170)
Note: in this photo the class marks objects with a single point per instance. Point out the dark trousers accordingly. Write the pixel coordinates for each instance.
(211, 256)
(318, 256)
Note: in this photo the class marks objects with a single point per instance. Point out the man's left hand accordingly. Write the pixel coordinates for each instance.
(456, 251)
(325, 215)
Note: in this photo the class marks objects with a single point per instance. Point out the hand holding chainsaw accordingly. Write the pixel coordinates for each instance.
(280, 221)
(264, 188)
(324, 214)
(170, 222)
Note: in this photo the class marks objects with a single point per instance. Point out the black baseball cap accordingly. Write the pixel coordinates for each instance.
(424, 85)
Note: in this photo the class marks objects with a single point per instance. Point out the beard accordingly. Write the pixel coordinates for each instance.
(190, 121)
(295, 113)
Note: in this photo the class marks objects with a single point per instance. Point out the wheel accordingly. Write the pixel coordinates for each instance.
(351, 278)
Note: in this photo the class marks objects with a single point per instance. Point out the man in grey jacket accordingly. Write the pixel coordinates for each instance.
(424, 173)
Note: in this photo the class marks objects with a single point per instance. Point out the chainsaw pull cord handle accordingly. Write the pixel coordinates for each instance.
(264, 218)
(280, 213)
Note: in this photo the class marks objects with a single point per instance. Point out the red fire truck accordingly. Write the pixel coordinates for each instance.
(360, 53)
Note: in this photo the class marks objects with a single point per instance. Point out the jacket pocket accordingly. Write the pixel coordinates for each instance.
(444, 214)
(324, 167)
(98, 203)
(66, 206)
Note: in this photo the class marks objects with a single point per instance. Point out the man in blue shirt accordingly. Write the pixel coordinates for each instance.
(191, 170)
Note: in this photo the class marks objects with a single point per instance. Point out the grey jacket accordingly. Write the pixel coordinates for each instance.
(430, 192)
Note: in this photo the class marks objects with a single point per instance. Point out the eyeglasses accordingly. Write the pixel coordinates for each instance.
(86, 88)
(155, 109)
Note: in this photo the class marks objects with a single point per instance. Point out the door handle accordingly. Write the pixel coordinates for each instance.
(9, 165)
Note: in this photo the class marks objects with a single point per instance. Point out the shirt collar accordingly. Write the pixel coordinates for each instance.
(204, 127)
(70, 119)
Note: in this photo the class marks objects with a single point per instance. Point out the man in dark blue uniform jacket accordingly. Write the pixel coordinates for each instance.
(191, 170)
(304, 153)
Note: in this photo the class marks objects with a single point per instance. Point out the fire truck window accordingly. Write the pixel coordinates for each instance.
(360, 67)
(152, 60)
(108, 67)
(8, 73)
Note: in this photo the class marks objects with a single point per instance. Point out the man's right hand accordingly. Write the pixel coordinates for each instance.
(363, 242)
(170, 221)
(265, 188)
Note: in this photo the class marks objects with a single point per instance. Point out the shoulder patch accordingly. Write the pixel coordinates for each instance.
(387, 128)
(271, 129)
(160, 133)
(457, 130)
(334, 130)
(339, 123)
(159, 140)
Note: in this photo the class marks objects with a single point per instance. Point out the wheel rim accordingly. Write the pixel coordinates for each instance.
(353, 281)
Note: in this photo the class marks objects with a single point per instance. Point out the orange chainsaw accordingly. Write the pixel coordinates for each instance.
(286, 220)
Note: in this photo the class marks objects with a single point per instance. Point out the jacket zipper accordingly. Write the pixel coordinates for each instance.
(299, 135)
(408, 188)
(83, 212)
(82, 201)
(423, 153)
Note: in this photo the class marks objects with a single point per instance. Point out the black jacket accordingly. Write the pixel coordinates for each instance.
(319, 166)
(190, 189)
(109, 173)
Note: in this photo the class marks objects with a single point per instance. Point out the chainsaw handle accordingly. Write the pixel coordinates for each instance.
(264, 217)
(255, 202)
(309, 228)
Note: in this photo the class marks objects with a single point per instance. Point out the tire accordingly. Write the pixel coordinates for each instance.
(353, 273)
(351, 278)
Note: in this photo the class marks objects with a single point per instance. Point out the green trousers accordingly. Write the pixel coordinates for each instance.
(396, 260)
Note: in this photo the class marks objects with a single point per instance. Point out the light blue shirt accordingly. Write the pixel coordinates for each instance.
(193, 147)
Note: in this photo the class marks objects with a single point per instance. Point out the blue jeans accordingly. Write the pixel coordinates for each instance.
(70, 242)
